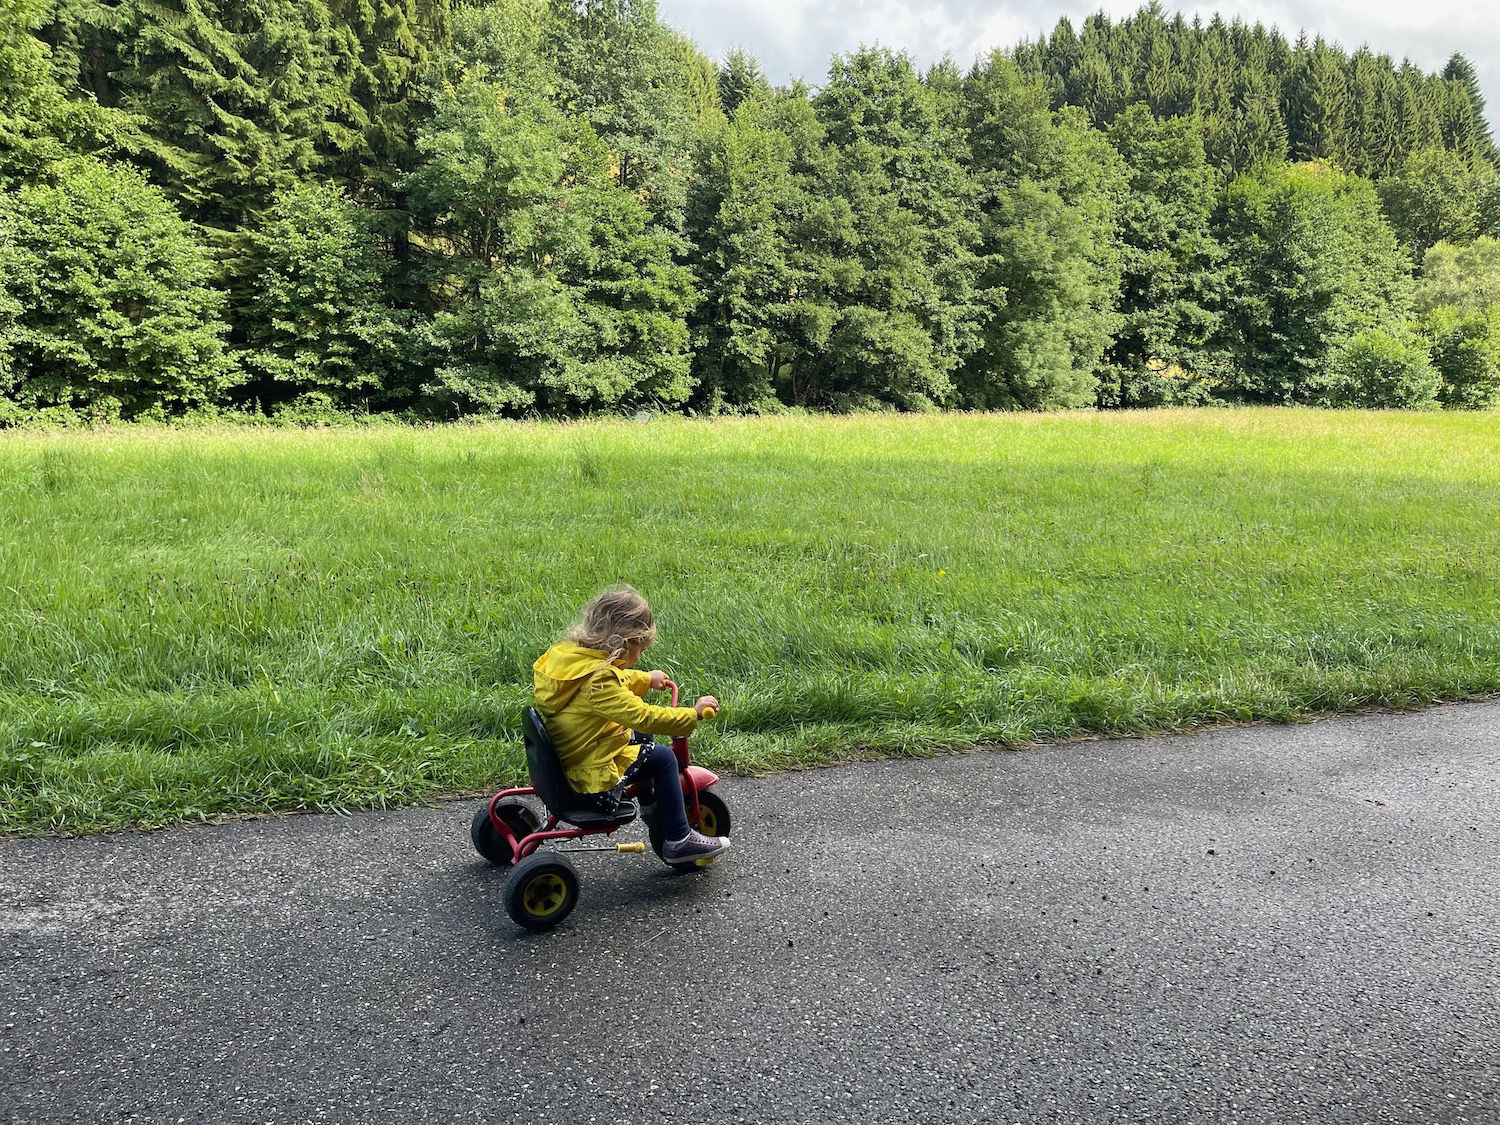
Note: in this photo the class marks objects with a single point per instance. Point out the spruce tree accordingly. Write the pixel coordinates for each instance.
(1464, 126)
(1317, 98)
(237, 101)
(739, 78)
(383, 49)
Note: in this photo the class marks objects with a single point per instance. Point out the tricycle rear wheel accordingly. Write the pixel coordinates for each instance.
(516, 815)
(542, 890)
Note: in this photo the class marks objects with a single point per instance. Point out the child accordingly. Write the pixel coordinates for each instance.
(589, 692)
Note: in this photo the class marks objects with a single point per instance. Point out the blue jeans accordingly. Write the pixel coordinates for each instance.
(657, 767)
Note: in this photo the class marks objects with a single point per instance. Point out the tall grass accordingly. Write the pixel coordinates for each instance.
(200, 623)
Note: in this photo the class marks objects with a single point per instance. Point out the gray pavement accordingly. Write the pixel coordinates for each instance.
(1267, 924)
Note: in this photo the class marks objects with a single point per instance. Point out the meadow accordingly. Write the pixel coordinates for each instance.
(204, 623)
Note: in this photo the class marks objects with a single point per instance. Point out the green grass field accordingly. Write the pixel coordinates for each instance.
(202, 623)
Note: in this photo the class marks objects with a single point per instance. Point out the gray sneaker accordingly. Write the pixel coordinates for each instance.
(696, 848)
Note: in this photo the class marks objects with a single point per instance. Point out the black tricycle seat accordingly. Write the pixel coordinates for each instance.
(552, 786)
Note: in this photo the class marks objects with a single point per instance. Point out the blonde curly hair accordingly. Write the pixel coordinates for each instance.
(615, 620)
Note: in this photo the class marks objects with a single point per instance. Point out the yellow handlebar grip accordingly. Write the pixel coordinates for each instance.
(633, 849)
(709, 713)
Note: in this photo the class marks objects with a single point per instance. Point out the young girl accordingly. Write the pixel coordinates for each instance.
(589, 692)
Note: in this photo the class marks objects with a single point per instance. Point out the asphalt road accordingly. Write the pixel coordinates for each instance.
(1268, 924)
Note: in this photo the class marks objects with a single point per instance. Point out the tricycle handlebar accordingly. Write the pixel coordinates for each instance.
(708, 712)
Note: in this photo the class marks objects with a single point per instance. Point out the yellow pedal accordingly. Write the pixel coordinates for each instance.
(634, 849)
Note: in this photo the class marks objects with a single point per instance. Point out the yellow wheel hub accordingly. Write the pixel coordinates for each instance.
(544, 895)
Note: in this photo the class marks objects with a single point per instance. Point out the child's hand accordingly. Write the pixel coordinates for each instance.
(706, 703)
(658, 679)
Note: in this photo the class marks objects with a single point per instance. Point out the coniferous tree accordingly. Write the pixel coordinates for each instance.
(1464, 126)
(739, 78)
(39, 125)
(1317, 99)
(1258, 95)
(385, 47)
(1258, 133)
(237, 102)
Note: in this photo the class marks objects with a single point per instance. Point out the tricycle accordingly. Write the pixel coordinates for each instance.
(542, 888)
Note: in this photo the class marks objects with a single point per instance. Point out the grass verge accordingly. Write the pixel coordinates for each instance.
(196, 624)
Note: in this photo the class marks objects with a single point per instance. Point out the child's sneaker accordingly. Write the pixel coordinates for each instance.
(694, 848)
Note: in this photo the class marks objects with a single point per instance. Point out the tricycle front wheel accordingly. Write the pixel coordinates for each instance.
(713, 820)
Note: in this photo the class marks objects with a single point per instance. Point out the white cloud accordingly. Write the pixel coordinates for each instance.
(794, 39)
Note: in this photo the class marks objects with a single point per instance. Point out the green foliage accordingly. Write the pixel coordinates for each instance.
(504, 42)
(1049, 193)
(39, 125)
(745, 204)
(107, 304)
(1317, 102)
(1172, 265)
(1380, 368)
(1437, 196)
(30, 103)
(553, 289)
(382, 51)
(1312, 265)
(319, 319)
(629, 78)
(1464, 125)
(563, 206)
(895, 222)
(740, 77)
(1258, 97)
(237, 100)
(1466, 353)
(1461, 277)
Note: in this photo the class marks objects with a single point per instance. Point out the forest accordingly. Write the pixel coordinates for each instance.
(304, 210)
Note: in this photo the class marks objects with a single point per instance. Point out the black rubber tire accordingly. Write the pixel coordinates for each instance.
(542, 890)
(516, 815)
(713, 820)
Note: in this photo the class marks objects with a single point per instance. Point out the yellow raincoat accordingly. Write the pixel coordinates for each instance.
(591, 705)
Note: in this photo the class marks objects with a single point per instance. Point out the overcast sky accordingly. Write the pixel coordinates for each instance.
(794, 38)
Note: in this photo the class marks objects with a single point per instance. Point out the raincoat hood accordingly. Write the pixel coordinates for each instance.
(561, 671)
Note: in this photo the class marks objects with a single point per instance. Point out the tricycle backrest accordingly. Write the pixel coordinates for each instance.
(547, 775)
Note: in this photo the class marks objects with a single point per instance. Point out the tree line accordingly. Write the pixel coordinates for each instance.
(438, 209)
